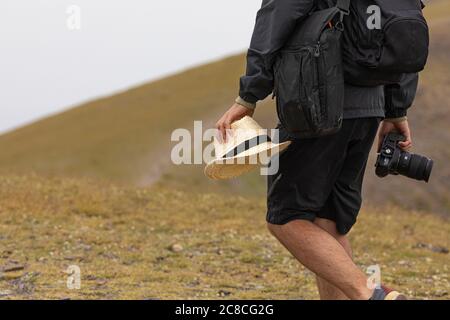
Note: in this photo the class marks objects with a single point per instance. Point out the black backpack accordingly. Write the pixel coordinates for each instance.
(345, 41)
(309, 77)
(383, 40)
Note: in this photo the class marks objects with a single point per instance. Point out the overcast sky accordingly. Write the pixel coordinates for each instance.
(51, 60)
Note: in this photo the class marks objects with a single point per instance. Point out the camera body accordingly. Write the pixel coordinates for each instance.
(393, 160)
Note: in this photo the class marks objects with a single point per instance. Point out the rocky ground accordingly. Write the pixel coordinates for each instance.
(154, 243)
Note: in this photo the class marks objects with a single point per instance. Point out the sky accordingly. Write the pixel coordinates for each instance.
(55, 54)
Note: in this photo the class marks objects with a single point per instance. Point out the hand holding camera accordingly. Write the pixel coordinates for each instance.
(395, 139)
(401, 127)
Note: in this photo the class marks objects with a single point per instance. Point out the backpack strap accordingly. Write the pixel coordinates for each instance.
(344, 6)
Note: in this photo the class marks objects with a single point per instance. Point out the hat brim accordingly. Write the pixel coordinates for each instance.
(228, 168)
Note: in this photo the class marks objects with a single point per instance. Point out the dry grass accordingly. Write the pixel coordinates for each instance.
(120, 238)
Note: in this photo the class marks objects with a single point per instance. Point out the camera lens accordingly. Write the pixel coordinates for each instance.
(415, 166)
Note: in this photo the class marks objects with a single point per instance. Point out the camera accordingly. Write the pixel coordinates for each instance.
(393, 160)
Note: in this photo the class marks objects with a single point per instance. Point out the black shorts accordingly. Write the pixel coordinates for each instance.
(322, 177)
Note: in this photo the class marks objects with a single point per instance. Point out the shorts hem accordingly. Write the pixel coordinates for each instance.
(285, 217)
(288, 216)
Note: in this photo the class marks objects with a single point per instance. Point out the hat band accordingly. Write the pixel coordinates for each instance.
(246, 145)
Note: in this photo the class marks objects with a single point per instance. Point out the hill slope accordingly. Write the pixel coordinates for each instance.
(122, 240)
(126, 137)
(117, 137)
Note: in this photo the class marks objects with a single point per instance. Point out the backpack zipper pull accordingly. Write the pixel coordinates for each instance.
(317, 50)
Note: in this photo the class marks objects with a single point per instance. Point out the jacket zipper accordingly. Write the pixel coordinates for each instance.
(314, 114)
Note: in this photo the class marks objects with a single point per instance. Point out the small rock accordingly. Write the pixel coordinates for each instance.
(12, 268)
(24, 285)
(85, 247)
(101, 283)
(176, 247)
(443, 250)
(74, 258)
(108, 255)
(440, 293)
(437, 249)
(193, 283)
(5, 293)
(223, 293)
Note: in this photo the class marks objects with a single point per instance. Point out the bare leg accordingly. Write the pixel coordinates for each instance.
(328, 291)
(318, 251)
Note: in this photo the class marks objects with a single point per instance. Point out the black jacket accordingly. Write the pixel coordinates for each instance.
(275, 22)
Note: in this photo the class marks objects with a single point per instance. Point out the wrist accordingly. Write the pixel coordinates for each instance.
(396, 120)
(246, 104)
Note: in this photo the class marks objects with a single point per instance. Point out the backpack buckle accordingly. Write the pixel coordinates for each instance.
(339, 26)
(343, 13)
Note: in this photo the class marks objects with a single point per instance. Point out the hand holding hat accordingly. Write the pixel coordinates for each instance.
(243, 151)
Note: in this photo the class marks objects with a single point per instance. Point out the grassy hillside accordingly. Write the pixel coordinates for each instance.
(126, 137)
(120, 137)
(154, 243)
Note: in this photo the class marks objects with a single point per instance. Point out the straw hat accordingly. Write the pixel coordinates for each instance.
(243, 151)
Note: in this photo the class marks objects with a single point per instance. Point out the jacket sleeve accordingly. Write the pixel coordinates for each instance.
(275, 22)
(399, 97)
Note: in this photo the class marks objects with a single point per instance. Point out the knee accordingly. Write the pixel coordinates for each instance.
(273, 228)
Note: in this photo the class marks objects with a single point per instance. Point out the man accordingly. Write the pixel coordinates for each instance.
(315, 197)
